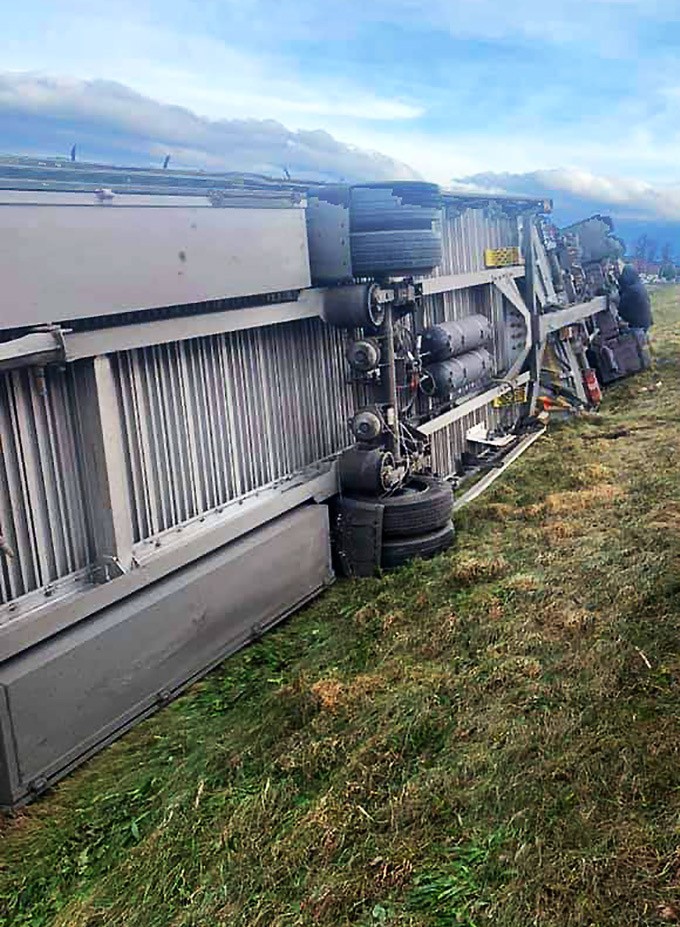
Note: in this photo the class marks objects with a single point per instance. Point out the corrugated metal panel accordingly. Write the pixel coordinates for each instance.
(210, 420)
(42, 514)
(466, 236)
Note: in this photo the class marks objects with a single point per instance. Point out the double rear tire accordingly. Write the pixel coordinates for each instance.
(415, 521)
(398, 551)
(421, 506)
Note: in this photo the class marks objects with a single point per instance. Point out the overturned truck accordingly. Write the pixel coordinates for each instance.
(217, 391)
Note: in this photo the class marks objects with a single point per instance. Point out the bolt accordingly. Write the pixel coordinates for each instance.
(38, 785)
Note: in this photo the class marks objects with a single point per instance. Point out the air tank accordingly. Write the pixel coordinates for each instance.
(353, 306)
(448, 339)
(452, 375)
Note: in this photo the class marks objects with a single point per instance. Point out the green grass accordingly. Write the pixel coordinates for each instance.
(489, 737)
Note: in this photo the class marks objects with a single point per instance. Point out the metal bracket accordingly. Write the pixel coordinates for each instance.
(106, 569)
(510, 290)
(39, 347)
(480, 434)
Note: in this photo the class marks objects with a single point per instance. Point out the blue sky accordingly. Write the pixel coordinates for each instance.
(452, 89)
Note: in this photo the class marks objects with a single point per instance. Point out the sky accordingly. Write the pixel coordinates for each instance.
(581, 95)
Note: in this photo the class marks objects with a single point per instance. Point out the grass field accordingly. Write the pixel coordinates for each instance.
(489, 737)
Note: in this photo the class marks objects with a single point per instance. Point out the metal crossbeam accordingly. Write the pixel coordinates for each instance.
(45, 346)
(34, 349)
(470, 405)
(448, 283)
(561, 318)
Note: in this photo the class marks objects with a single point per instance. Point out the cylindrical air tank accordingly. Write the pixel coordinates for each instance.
(448, 339)
(452, 375)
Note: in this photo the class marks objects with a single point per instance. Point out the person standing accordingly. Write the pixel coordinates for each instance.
(634, 304)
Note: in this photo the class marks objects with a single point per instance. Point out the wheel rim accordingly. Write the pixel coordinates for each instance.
(410, 490)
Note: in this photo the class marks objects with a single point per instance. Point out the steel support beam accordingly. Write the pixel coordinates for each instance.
(62, 344)
(530, 294)
(544, 277)
(561, 318)
(447, 283)
(508, 287)
(162, 331)
(105, 468)
(34, 349)
(470, 405)
(310, 304)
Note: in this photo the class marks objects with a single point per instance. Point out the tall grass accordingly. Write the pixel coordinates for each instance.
(489, 737)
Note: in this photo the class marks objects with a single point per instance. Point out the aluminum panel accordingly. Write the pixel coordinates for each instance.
(210, 420)
(67, 697)
(42, 512)
(104, 259)
(328, 232)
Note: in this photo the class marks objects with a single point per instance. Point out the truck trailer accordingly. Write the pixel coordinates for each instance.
(219, 391)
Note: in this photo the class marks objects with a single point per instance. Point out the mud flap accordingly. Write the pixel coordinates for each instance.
(357, 533)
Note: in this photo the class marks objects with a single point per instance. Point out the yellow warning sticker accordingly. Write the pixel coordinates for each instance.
(502, 257)
(510, 397)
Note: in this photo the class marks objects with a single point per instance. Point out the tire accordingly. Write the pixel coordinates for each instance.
(399, 551)
(392, 252)
(405, 219)
(423, 505)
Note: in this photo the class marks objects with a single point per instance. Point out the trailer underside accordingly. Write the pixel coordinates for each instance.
(174, 408)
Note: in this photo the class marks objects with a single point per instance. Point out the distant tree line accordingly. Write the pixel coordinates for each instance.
(646, 252)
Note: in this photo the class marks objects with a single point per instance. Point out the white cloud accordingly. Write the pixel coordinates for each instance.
(294, 61)
(604, 24)
(107, 116)
(212, 76)
(624, 197)
(611, 26)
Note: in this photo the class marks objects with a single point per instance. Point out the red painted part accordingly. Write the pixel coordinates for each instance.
(592, 387)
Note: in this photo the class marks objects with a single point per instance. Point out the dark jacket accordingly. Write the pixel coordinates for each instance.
(634, 306)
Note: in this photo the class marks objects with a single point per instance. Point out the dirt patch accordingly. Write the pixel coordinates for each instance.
(498, 511)
(576, 500)
(523, 583)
